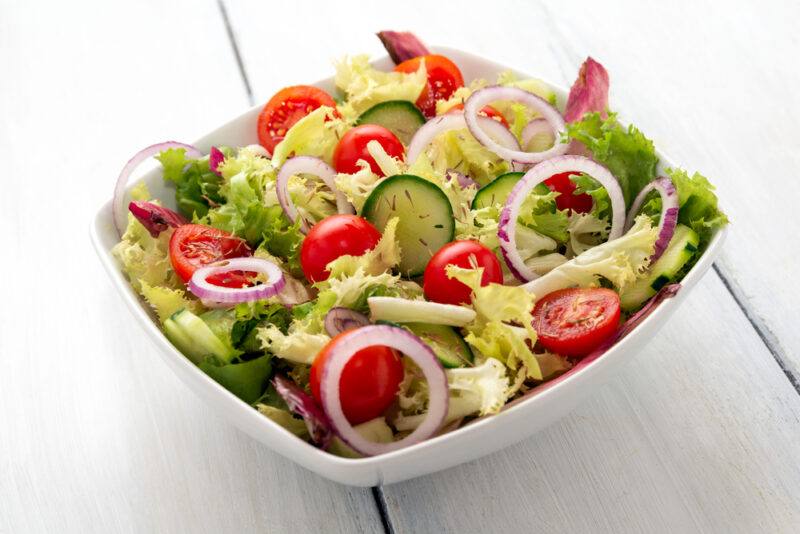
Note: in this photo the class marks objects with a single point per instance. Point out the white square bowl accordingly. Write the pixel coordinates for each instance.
(487, 435)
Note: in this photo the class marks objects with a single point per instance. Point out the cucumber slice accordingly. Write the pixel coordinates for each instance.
(496, 191)
(426, 218)
(400, 116)
(447, 344)
(194, 338)
(680, 250)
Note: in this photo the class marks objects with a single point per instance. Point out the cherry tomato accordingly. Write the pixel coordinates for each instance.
(369, 381)
(285, 108)
(470, 254)
(567, 200)
(194, 245)
(443, 79)
(486, 111)
(573, 322)
(353, 147)
(334, 236)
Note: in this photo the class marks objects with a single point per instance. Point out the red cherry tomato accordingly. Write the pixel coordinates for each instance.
(486, 111)
(443, 79)
(334, 236)
(195, 245)
(567, 200)
(573, 322)
(285, 108)
(470, 254)
(353, 147)
(369, 381)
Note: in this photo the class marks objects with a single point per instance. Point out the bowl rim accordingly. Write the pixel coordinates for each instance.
(175, 358)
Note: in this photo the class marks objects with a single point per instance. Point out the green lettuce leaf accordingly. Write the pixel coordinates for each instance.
(698, 204)
(628, 154)
(166, 301)
(145, 259)
(380, 259)
(316, 134)
(196, 186)
(246, 380)
(364, 86)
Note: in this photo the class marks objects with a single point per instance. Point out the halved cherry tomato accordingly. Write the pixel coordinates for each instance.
(567, 199)
(574, 321)
(195, 245)
(353, 147)
(486, 111)
(285, 108)
(369, 381)
(334, 236)
(466, 253)
(443, 79)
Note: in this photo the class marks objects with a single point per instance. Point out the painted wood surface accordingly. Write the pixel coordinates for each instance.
(699, 434)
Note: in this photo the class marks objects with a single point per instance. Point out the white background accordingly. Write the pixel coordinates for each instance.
(700, 433)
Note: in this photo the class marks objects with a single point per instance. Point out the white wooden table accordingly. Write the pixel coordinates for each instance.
(700, 433)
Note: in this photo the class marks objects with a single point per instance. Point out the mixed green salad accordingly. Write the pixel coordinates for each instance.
(412, 252)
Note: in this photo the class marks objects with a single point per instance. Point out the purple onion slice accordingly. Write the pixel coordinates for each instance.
(482, 97)
(118, 202)
(669, 212)
(507, 228)
(307, 165)
(234, 295)
(340, 320)
(400, 340)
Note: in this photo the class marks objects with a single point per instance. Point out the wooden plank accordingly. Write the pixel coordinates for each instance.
(96, 435)
(699, 434)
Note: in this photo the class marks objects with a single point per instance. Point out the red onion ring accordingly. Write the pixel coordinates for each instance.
(456, 121)
(118, 202)
(669, 212)
(534, 128)
(233, 295)
(340, 319)
(507, 228)
(307, 165)
(410, 345)
(482, 97)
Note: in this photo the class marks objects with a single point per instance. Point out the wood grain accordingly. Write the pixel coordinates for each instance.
(96, 435)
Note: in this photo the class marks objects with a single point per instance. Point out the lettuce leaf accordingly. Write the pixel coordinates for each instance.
(384, 256)
(364, 86)
(166, 301)
(620, 261)
(316, 134)
(628, 154)
(494, 332)
(246, 380)
(196, 186)
(698, 204)
(144, 258)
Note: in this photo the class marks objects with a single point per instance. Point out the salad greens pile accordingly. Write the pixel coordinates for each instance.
(497, 355)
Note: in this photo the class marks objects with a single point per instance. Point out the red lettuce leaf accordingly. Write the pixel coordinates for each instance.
(589, 93)
(154, 217)
(305, 406)
(402, 45)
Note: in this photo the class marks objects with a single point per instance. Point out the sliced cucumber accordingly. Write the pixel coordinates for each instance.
(680, 250)
(194, 338)
(400, 116)
(400, 310)
(426, 218)
(496, 191)
(447, 344)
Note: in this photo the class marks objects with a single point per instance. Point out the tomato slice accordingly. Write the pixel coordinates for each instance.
(369, 381)
(438, 287)
(444, 78)
(195, 245)
(574, 321)
(285, 108)
(334, 236)
(487, 111)
(568, 199)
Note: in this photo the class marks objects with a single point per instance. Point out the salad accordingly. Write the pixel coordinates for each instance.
(413, 252)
